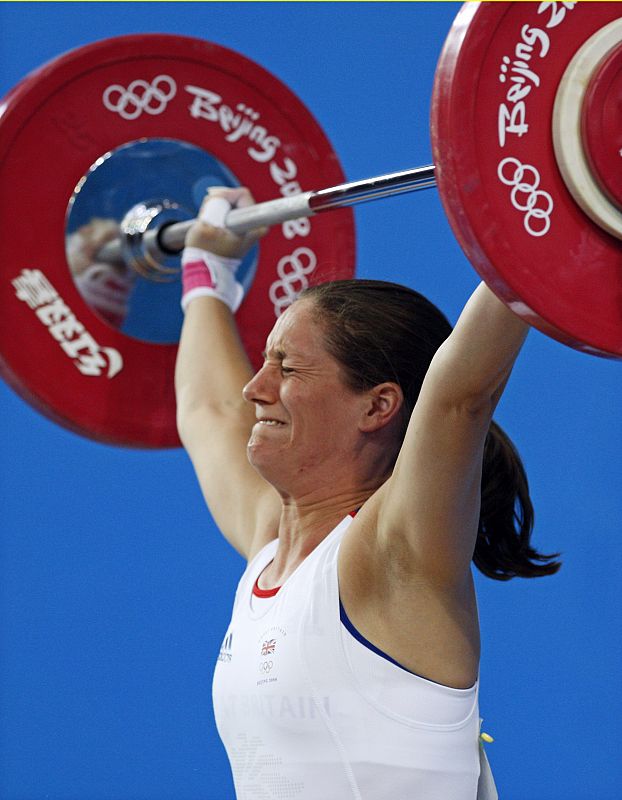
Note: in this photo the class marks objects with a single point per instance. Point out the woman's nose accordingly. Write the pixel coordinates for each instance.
(260, 388)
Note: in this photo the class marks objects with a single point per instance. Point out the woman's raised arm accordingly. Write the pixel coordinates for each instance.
(214, 421)
(431, 505)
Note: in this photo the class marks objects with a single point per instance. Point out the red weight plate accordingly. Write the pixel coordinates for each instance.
(601, 125)
(492, 105)
(54, 350)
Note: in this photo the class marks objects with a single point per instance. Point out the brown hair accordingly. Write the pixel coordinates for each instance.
(380, 331)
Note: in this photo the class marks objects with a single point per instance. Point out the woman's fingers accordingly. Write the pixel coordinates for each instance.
(210, 233)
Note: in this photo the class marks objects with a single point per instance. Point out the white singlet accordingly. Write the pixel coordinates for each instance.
(308, 712)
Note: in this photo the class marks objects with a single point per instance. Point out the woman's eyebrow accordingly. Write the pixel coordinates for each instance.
(275, 352)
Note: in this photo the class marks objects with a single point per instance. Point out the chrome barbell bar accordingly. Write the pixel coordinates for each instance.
(240, 220)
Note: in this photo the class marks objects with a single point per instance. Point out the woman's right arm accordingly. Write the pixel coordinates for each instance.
(214, 421)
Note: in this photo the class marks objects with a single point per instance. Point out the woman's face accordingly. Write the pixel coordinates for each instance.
(307, 415)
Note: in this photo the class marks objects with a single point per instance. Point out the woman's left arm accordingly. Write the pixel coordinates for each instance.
(429, 510)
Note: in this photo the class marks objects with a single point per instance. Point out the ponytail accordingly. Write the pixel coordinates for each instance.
(381, 331)
(503, 548)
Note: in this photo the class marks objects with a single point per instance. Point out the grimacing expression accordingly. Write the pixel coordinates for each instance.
(306, 413)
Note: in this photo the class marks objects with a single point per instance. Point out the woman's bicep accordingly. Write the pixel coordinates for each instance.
(433, 497)
(432, 500)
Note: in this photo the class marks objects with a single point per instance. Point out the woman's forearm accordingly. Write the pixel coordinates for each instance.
(212, 366)
(477, 358)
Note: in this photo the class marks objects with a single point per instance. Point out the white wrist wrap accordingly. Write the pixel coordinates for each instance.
(205, 274)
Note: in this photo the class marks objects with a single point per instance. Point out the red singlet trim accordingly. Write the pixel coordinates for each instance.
(264, 592)
(258, 592)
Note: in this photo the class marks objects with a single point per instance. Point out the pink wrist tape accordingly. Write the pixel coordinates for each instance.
(207, 275)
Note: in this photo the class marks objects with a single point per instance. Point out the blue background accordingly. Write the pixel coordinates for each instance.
(115, 587)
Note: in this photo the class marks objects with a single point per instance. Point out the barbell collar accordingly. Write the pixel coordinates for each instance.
(170, 238)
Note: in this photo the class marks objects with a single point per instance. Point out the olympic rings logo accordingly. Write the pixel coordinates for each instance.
(293, 270)
(265, 666)
(537, 204)
(152, 98)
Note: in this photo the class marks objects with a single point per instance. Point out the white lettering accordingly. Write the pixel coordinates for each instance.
(281, 175)
(269, 145)
(66, 328)
(521, 74)
(245, 127)
(531, 36)
(512, 121)
(203, 105)
(33, 288)
(274, 706)
(557, 12)
(235, 123)
(242, 122)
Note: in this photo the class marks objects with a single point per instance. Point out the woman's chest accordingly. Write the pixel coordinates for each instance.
(262, 673)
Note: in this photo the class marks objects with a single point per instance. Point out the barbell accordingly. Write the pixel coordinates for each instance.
(130, 132)
(155, 243)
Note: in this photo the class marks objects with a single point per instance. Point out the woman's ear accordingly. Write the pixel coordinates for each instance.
(384, 403)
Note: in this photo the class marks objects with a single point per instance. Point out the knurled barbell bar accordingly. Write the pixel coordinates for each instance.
(525, 116)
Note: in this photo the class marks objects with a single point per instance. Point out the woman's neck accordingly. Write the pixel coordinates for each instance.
(304, 523)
